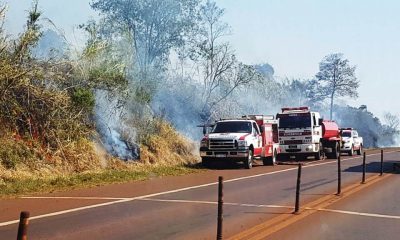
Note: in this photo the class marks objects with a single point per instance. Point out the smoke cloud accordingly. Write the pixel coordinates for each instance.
(118, 138)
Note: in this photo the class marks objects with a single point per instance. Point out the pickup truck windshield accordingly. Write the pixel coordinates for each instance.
(346, 134)
(232, 127)
(294, 120)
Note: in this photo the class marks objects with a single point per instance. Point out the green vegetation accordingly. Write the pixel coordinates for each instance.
(49, 134)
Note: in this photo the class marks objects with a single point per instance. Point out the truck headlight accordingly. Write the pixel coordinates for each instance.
(242, 143)
(204, 143)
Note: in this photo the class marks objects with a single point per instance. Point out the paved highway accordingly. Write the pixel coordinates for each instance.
(180, 207)
(373, 213)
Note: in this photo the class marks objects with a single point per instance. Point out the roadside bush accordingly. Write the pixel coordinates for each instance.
(83, 98)
(14, 152)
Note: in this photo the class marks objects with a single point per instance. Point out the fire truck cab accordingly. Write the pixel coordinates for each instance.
(304, 133)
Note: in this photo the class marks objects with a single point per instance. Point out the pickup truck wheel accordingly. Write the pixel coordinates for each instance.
(351, 152)
(205, 163)
(248, 163)
(359, 151)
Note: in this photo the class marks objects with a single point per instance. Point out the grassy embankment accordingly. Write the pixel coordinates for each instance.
(25, 168)
(48, 138)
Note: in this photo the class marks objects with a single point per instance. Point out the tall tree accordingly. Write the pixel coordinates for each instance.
(154, 26)
(221, 72)
(336, 78)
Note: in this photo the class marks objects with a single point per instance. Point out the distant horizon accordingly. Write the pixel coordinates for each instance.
(291, 36)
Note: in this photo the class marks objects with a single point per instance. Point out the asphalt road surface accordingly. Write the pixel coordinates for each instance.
(373, 213)
(182, 207)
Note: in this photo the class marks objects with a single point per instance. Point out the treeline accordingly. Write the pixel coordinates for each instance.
(181, 67)
(147, 63)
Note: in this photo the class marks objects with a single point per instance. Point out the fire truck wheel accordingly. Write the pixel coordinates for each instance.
(335, 151)
(319, 155)
(270, 161)
(248, 163)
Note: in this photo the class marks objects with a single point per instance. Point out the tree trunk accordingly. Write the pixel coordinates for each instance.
(331, 105)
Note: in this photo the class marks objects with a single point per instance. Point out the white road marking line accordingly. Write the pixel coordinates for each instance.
(274, 206)
(214, 203)
(358, 213)
(66, 211)
(173, 191)
(77, 198)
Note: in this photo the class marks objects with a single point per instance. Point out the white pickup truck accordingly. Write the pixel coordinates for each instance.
(351, 142)
(241, 140)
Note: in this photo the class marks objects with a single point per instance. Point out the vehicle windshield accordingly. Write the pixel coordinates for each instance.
(232, 127)
(346, 134)
(294, 120)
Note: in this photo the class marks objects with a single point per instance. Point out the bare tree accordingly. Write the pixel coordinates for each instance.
(221, 72)
(392, 121)
(336, 78)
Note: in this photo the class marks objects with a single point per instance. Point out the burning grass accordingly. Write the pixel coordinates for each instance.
(26, 166)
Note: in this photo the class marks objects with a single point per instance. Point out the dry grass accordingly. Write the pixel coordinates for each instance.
(167, 146)
(29, 167)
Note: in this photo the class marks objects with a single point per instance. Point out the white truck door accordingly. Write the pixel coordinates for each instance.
(257, 136)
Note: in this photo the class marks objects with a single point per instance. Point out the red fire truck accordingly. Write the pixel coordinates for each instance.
(304, 133)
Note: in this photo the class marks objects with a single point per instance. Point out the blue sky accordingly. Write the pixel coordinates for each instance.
(292, 35)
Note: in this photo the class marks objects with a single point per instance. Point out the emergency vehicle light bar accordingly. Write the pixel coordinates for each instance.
(259, 117)
(345, 129)
(296, 109)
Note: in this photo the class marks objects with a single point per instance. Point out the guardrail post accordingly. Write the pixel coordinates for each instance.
(339, 185)
(297, 204)
(220, 207)
(364, 168)
(381, 162)
(23, 226)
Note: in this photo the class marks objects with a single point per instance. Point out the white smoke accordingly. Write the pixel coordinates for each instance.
(118, 138)
(179, 99)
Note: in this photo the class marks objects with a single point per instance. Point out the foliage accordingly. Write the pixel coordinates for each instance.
(33, 103)
(368, 126)
(83, 98)
(155, 26)
(14, 152)
(336, 78)
(221, 73)
(46, 104)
